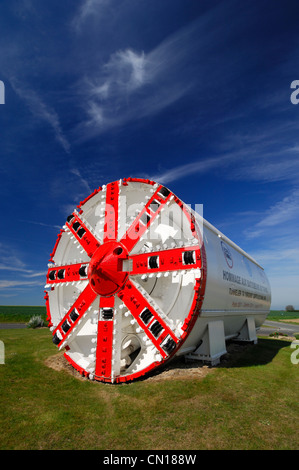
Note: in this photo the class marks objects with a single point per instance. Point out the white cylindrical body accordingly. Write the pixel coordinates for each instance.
(237, 287)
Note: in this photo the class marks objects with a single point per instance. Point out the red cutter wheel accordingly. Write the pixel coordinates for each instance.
(125, 281)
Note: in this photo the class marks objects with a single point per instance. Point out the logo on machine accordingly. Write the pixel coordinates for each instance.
(227, 255)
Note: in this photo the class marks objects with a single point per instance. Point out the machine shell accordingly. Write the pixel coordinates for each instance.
(237, 296)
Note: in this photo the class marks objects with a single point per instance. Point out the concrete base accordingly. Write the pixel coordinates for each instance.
(248, 331)
(212, 346)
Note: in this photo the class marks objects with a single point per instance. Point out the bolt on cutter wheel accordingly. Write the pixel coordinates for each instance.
(125, 281)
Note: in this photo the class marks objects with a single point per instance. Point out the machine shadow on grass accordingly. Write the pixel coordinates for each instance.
(249, 354)
(238, 355)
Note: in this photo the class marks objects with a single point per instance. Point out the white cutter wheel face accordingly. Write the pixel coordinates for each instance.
(125, 281)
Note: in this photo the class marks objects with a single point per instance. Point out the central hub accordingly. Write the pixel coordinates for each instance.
(105, 271)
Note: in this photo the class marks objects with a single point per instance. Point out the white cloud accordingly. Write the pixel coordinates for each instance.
(10, 260)
(7, 267)
(285, 290)
(269, 167)
(288, 256)
(275, 244)
(134, 84)
(83, 181)
(16, 271)
(37, 274)
(279, 257)
(42, 224)
(9, 284)
(127, 69)
(41, 111)
(87, 9)
(283, 212)
(180, 171)
(130, 86)
(266, 152)
(272, 239)
(121, 75)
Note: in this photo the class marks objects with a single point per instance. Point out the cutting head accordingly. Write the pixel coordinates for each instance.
(125, 281)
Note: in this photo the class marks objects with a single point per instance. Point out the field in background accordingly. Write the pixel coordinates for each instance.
(279, 315)
(22, 314)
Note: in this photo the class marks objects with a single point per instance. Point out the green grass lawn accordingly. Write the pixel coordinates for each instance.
(250, 402)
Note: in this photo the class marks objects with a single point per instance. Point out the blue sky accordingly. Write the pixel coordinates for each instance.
(192, 93)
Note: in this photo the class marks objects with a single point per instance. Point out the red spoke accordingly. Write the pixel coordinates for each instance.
(56, 245)
(73, 315)
(111, 212)
(103, 366)
(146, 217)
(82, 234)
(67, 273)
(166, 260)
(50, 324)
(148, 318)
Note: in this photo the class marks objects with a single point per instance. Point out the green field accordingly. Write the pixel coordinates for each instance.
(249, 402)
(280, 315)
(20, 314)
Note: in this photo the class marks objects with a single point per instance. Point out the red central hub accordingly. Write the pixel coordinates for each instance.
(105, 271)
